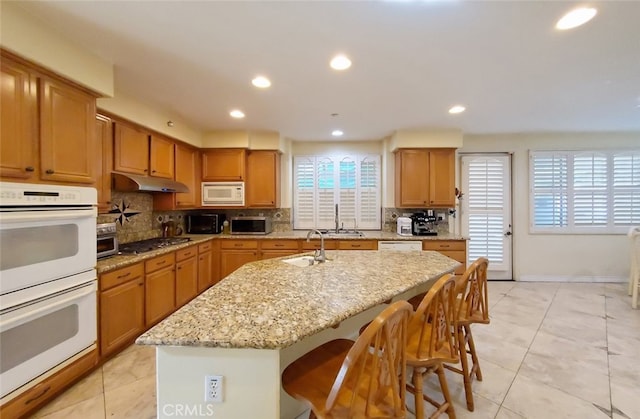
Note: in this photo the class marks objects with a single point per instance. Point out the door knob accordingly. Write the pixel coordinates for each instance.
(507, 234)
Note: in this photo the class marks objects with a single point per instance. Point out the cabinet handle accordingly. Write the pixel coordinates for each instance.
(124, 275)
(29, 169)
(140, 284)
(237, 245)
(49, 171)
(145, 170)
(201, 258)
(153, 171)
(33, 399)
(161, 262)
(279, 245)
(444, 245)
(356, 245)
(179, 267)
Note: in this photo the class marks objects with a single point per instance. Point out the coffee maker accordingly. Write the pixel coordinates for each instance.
(422, 224)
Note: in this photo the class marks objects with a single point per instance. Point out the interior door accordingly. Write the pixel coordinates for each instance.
(486, 211)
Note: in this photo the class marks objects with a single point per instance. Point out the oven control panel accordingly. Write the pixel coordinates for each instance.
(27, 194)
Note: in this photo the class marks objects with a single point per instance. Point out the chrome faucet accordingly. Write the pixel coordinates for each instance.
(337, 220)
(318, 255)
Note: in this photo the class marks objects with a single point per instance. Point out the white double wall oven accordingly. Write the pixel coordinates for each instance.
(47, 279)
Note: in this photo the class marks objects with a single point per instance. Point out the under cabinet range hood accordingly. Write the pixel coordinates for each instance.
(126, 182)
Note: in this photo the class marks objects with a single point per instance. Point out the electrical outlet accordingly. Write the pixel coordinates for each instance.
(441, 216)
(213, 388)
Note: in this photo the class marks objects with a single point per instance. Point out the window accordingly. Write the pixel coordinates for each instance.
(321, 182)
(584, 191)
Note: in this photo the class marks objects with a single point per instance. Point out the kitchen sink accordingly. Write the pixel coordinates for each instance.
(342, 233)
(301, 261)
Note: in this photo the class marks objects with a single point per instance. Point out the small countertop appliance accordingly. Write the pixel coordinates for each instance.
(423, 224)
(404, 226)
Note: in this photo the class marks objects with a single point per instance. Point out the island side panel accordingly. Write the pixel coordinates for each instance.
(251, 382)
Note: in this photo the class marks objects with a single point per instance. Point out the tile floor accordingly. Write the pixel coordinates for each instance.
(552, 350)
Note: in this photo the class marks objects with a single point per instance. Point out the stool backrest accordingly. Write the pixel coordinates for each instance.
(474, 304)
(371, 380)
(430, 328)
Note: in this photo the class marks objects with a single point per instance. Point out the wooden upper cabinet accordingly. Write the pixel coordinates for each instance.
(188, 172)
(162, 157)
(412, 178)
(442, 162)
(130, 149)
(67, 133)
(263, 179)
(425, 178)
(223, 164)
(18, 140)
(104, 162)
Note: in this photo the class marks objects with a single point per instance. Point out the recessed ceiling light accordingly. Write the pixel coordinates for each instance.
(576, 17)
(457, 109)
(340, 62)
(261, 82)
(236, 113)
(337, 133)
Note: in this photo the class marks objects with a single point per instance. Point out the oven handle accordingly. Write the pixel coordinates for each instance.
(73, 295)
(16, 217)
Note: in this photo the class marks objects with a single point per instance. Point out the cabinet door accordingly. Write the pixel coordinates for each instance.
(186, 280)
(223, 164)
(162, 157)
(104, 162)
(233, 259)
(412, 178)
(121, 315)
(18, 140)
(357, 245)
(67, 133)
(187, 172)
(205, 277)
(442, 164)
(263, 179)
(130, 149)
(159, 294)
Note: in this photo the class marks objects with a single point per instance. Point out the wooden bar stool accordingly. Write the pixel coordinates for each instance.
(361, 379)
(634, 269)
(431, 343)
(472, 307)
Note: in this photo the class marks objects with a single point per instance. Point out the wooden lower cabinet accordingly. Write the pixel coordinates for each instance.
(277, 248)
(235, 253)
(455, 249)
(25, 404)
(186, 275)
(121, 307)
(159, 290)
(314, 244)
(205, 273)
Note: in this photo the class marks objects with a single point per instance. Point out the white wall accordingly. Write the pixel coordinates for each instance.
(544, 256)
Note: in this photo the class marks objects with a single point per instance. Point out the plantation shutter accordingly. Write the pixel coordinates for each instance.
(304, 180)
(369, 193)
(590, 189)
(486, 195)
(626, 189)
(549, 173)
(325, 202)
(347, 204)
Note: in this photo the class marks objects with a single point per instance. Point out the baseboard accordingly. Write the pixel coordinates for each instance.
(576, 278)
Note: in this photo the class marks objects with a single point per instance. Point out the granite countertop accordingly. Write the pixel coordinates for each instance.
(271, 304)
(120, 261)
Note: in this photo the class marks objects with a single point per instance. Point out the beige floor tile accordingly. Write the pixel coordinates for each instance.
(512, 311)
(582, 329)
(504, 331)
(134, 400)
(85, 389)
(505, 413)
(92, 408)
(136, 363)
(505, 354)
(534, 400)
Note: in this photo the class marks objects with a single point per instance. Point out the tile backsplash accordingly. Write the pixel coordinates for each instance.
(136, 219)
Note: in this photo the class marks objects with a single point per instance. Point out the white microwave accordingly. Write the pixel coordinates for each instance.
(223, 194)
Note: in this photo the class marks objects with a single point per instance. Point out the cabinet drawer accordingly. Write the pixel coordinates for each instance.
(160, 262)
(279, 245)
(357, 245)
(186, 253)
(314, 244)
(120, 276)
(239, 244)
(204, 247)
(444, 245)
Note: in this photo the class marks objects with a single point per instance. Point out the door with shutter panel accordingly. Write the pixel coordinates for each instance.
(486, 211)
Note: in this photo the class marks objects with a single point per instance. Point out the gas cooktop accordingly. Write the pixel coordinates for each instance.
(148, 245)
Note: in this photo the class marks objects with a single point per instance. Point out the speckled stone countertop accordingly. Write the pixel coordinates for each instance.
(271, 304)
(120, 261)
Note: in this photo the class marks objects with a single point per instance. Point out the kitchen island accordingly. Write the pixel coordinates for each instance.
(266, 314)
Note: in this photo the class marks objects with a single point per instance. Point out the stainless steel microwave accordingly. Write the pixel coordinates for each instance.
(250, 225)
(223, 194)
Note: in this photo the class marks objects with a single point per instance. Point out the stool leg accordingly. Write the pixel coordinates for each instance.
(474, 356)
(417, 396)
(466, 376)
(634, 291)
(445, 392)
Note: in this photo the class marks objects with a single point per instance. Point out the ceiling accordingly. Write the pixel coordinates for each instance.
(412, 61)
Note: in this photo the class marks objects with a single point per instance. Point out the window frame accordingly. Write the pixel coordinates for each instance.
(602, 185)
